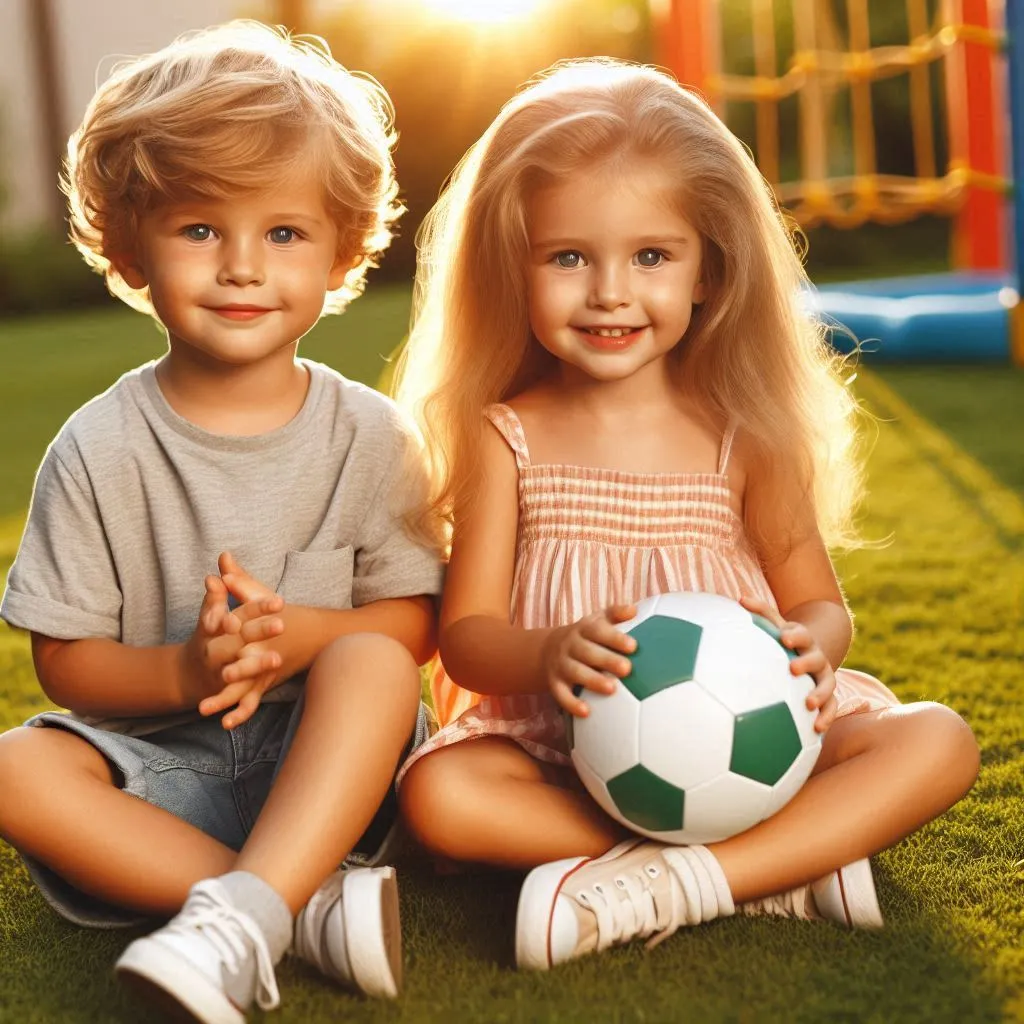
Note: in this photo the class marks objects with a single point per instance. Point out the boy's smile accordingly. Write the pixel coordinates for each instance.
(240, 312)
(238, 281)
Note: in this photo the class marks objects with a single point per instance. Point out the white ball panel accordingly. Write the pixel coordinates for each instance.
(725, 807)
(685, 735)
(608, 738)
(704, 609)
(743, 667)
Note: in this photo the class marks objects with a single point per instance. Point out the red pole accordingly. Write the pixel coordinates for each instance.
(979, 233)
(683, 42)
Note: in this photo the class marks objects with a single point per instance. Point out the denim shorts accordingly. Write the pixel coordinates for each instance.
(213, 778)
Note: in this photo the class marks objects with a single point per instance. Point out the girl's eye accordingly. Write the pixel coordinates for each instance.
(198, 232)
(569, 260)
(281, 236)
(649, 257)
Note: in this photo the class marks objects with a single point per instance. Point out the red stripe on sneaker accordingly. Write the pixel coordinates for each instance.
(628, 844)
(551, 915)
(842, 893)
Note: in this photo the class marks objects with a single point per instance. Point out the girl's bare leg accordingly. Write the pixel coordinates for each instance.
(880, 776)
(362, 695)
(489, 801)
(59, 803)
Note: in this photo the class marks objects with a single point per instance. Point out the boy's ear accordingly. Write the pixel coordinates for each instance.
(129, 267)
(342, 265)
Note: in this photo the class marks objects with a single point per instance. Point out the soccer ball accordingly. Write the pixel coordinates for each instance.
(708, 735)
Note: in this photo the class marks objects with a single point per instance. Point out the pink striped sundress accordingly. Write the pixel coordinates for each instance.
(589, 538)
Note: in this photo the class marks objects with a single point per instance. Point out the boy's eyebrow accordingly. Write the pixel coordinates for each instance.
(203, 208)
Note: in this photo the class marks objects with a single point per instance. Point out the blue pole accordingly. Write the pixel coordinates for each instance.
(1015, 60)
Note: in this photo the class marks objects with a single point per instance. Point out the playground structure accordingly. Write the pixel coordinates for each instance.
(974, 313)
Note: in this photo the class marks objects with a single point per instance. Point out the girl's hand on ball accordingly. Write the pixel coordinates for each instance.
(588, 655)
(810, 660)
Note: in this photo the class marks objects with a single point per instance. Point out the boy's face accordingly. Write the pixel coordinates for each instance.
(238, 280)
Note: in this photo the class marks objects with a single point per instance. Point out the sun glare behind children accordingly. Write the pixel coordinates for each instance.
(484, 11)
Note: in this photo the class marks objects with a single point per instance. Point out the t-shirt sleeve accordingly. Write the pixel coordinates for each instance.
(389, 561)
(62, 583)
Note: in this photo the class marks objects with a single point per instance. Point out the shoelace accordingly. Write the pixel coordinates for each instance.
(636, 912)
(784, 904)
(219, 922)
(309, 925)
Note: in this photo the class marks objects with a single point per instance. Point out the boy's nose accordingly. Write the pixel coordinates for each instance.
(242, 263)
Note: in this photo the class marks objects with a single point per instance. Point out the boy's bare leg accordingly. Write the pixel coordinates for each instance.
(362, 696)
(59, 805)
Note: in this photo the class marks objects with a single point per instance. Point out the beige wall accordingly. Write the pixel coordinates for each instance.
(89, 37)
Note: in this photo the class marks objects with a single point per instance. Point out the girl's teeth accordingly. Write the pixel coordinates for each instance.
(610, 332)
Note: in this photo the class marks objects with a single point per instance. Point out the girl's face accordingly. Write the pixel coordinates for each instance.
(614, 270)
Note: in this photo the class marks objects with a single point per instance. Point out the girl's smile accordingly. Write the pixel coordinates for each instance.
(611, 339)
(614, 271)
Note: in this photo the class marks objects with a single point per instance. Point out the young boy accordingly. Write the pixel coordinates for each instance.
(219, 764)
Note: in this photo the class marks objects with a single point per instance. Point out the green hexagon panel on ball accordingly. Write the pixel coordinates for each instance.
(708, 734)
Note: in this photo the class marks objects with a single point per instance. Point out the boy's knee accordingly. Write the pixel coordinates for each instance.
(371, 660)
(13, 748)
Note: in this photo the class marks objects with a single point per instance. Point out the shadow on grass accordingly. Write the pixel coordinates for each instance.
(458, 955)
(981, 408)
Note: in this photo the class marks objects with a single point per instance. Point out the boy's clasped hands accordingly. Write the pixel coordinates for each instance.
(229, 663)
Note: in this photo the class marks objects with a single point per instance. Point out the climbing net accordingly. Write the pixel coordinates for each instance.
(819, 68)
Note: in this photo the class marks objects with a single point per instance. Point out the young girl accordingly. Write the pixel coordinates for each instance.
(622, 396)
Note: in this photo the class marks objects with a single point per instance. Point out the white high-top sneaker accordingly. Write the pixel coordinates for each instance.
(639, 889)
(350, 931)
(846, 896)
(210, 962)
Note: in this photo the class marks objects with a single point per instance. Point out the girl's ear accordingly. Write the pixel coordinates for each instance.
(129, 267)
(700, 293)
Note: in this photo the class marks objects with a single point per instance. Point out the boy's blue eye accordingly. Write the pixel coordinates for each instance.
(649, 257)
(569, 260)
(198, 232)
(281, 236)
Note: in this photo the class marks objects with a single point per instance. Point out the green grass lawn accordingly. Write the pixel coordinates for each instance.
(940, 611)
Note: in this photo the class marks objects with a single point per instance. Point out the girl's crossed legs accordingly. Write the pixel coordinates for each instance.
(881, 775)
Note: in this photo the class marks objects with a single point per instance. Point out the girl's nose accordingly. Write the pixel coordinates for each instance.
(611, 289)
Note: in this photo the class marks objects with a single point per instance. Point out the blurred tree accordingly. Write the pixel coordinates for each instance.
(448, 77)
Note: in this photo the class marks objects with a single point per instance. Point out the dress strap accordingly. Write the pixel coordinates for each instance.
(507, 422)
(727, 439)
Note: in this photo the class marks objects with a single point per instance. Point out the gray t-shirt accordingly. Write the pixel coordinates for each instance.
(132, 505)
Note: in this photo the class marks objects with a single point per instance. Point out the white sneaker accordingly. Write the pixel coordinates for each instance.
(350, 931)
(210, 962)
(848, 896)
(639, 889)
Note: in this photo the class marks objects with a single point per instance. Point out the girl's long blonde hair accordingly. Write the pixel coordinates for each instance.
(751, 355)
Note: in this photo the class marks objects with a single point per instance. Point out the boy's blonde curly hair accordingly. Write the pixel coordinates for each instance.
(232, 109)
